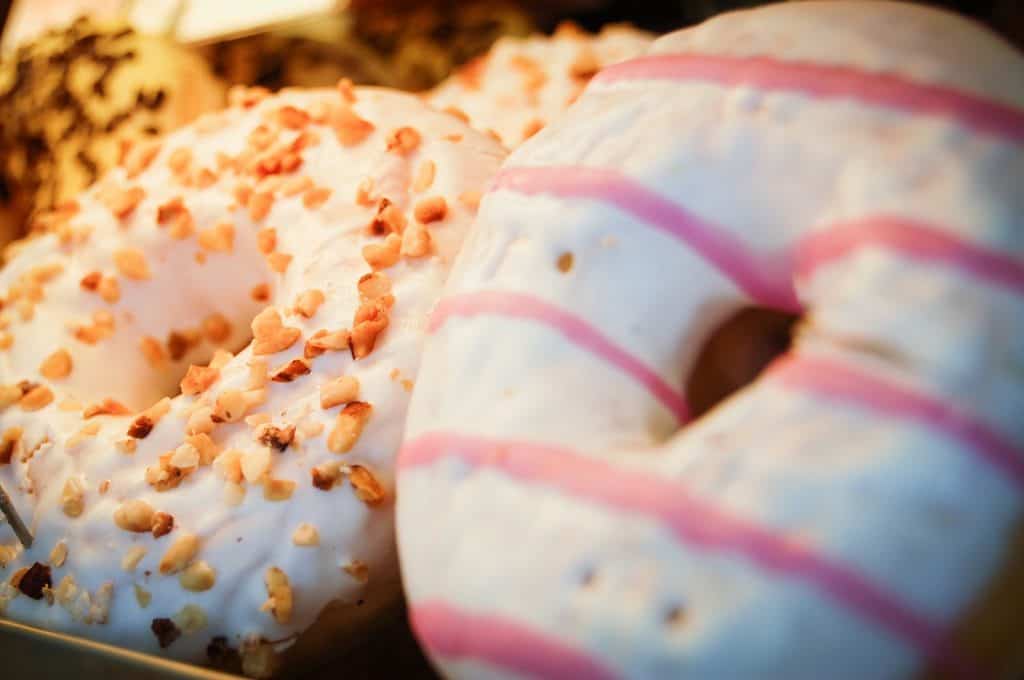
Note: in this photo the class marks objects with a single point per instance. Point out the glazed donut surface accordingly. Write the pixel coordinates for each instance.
(851, 512)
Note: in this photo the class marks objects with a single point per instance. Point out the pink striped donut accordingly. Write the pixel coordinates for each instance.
(856, 512)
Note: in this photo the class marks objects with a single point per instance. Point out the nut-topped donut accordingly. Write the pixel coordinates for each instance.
(856, 512)
(186, 499)
(522, 84)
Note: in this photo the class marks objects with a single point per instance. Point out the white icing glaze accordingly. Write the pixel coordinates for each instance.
(523, 84)
(855, 497)
(326, 244)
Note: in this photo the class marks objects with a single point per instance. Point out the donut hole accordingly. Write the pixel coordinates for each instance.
(735, 354)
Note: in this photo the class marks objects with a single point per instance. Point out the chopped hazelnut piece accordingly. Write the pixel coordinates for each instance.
(278, 489)
(585, 66)
(142, 596)
(198, 379)
(126, 446)
(266, 240)
(122, 202)
(326, 475)
(403, 140)
(255, 464)
(259, 205)
(457, 112)
(162, 525)
(234, 494)
(431, 209)
(258, 375)
(370, 321)
(308, 302)
(230, 407)
(57, 365)
(72, 497)
(374, 286)
(279, 595)
(279, 262)
(207, 448)
(191, 619)
(424, 176)
(59, 554)
(388, 220)
(37, 398)
(219, 238)
(290, 371)
(90, 281)
(270, 335)
(323, 341)
(416, 242)
(339, 391)
(349, 426)
(109, 289)
(295, 186)
(532, 127)
(179, 160)
(292, 118)
(10, 440)
(306, 535)
(368, 489)
(260, 292)
(349, 128)
(176, 217)
(470, 199)
(364, 192)
(315, 197)
(132, 558)
(358, 570)
(131, 262)
(153, 350)
(180, 554)
(275, 437)
(216, 328)
(166, 632)
(383, 255)
(134, 515)
(107, 407)
(229, 465)
(201, 421)
(198, 577)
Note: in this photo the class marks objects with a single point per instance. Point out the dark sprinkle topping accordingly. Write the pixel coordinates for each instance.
(34, 580)
(165, 631)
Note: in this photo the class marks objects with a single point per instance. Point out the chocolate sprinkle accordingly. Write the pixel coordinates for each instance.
(165, 631)
(34, 580)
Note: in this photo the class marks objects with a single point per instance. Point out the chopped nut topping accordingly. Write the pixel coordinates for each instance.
(6, 340)
(198, 577)
(91, 281)
(165, 476)
(142, 596)
(383, 255)
(191, 619)
(179, 160)
(532, 127)
(347, 91)
(275, 437)
(364, 192)
(403, 140)
(185, 457)
(306, 535)
(260, 292)
(126, 446)
(424, 176)
(72, 498)
(270, 335)
(178, 344)
(234, 494)
(370, 321)
(109, 289)
(10, 394)
(388, 220)
(134, 515)
(122, 202)
(315, 197)
(255, 464)
(565, 262)
(162, 525)
(131, 262)
(266, 240)
(470, 199)
(216, 328)
(323, 341)
(198, 379)
(165, 631)
(368, 489)
(375, 286)
(358, 570)
(59, 554)
(295, 186)
(153, 351)
(229, 465)
(34, 580)
(349, 426)
(37, 398)
(339, 391)
(416, 242)
(349, 128)
(104, 487)
(308, 302)
(326, 475)
(176, 217)
(219, 238)
(431, 209)
(258, 376)
(207, 448)
(279, 595)
(230, 407)
(292, 118)
(259, 205)
(10, 440)
(180, 554)
(242, 194)
(107, 407)
(290, 371)
(132, 558)
(458, 113)
(585, 66)
(279, 262)
(57, 365)
(278, 489)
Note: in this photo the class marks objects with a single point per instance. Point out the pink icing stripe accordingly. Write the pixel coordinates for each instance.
(764, 279)
(456, 634)
(913, 239)
(829, 82)
(575, 330)
(832, 379)
(693, 521)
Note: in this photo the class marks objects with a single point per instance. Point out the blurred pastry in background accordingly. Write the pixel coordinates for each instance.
(519, 86)
(409, 47)
(68, 99)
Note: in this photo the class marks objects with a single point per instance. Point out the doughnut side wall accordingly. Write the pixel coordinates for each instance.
(309, 232)
(848, 515)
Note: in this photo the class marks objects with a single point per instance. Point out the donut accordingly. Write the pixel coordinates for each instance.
(207, 505)
(522, 84)
(68, 97)
(854, 512)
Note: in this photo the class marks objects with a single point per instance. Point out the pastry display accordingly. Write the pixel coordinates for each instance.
(856, 511)
(521, 85)
(191, 492)
(68, 98)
